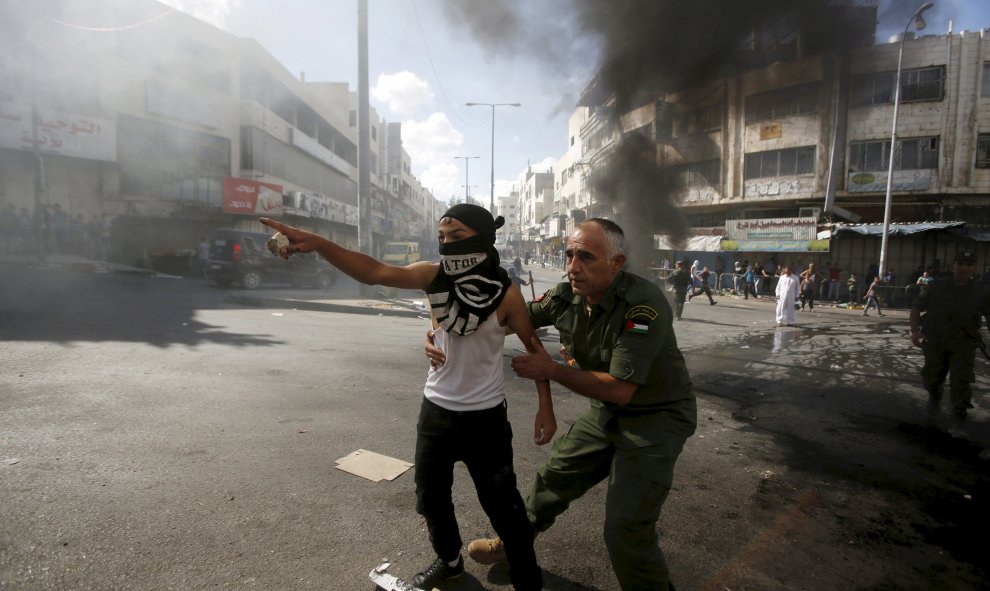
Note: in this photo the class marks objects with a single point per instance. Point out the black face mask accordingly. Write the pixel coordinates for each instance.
(469, 286)
(461, 256)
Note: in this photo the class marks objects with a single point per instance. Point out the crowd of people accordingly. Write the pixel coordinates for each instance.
(53, 231)
(814, 285)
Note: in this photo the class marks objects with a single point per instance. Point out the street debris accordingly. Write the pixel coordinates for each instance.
(372, 466)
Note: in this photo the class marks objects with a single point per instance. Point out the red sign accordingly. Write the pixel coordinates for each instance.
(251, 197)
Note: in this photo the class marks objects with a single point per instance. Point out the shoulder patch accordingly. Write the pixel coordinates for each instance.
(642, 311)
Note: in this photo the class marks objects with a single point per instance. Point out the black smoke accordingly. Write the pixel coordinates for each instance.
(647, 49)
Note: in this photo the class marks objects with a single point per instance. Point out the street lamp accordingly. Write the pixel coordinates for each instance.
(491, 199)
(467, 187)
(919, 24)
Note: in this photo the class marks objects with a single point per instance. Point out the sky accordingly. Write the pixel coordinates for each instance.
(426, 61)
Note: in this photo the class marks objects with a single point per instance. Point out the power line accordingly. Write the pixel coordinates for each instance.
(429, 58)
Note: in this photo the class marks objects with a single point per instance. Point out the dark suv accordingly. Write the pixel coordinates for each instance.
(239, 256)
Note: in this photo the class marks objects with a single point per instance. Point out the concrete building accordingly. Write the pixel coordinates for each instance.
(162, 127)
(790, 159)
(535, 191)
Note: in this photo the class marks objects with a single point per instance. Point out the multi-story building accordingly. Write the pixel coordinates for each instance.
(535, 191)
(571, 199)
(507, 238)
(132, 113)
(790, 159)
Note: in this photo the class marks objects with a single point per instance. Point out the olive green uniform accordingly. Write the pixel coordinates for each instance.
(628, 335)
(950, 321)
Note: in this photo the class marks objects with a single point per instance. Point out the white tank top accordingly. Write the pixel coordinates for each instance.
(471, 376)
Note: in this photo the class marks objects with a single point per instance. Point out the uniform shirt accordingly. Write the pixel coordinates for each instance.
(629, 335)
(951, 311)
(681, 280)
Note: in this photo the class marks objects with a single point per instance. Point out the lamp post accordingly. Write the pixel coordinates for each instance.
(467, 187)
(491, 198)
(919, 24)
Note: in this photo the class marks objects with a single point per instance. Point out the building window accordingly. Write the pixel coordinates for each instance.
(986, 80)
(913, 154)
(699, 175)
(919, 84)
(785, 102)
(168, 162)
(983, 151)
(790, 162)
(705, 119)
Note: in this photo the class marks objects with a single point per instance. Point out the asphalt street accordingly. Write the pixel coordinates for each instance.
(162, 433)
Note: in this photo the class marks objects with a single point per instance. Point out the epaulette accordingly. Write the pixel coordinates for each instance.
(546, 297)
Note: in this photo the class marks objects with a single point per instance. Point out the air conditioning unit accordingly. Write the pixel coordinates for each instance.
(810, 212)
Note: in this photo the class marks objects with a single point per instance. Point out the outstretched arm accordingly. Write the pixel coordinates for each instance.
(358, 265)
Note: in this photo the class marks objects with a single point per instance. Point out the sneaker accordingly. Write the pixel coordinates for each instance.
(438, 571)
(487, 551)
(713, 303)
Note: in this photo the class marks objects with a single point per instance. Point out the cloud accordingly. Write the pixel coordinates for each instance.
(432, 145)
(214, 12)
(403, 92)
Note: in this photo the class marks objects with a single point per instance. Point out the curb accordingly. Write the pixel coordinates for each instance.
(242, 300)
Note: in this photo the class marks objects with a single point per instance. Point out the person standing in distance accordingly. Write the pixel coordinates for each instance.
(463, 411)
(945, 323)
(787, 293)
(618, 329)
(681, 280)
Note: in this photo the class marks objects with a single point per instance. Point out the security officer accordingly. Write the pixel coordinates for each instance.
(945, 323)
(681, 280)
(618, 328)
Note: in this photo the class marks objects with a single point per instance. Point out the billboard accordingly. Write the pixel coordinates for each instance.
(251, 197)
(58, 132)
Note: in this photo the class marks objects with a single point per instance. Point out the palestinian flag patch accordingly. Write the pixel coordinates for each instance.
(637, 326)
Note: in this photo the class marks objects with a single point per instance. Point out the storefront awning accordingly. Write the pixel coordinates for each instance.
(692, 244)
(898, 229)
(721, 244)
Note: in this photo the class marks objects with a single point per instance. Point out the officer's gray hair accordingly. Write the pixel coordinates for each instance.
(615, 238)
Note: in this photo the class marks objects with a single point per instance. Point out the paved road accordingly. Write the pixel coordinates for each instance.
(155, 435)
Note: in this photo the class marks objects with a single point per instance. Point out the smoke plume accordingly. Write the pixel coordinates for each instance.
(649, 48)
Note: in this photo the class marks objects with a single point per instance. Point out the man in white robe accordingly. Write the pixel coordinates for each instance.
(787, 294)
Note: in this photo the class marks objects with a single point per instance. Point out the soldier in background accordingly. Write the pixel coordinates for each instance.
(945, 323)
(681, 280)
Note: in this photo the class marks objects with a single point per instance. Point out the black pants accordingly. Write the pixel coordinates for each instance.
(483, 441)
(703, 289)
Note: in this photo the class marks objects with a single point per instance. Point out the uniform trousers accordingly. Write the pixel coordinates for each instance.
(482, 439)
(955, 358)
(639, 479)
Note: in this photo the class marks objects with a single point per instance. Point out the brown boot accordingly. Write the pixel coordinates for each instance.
(487, 550)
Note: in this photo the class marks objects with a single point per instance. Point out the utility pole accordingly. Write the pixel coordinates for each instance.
(491, 198)
(364, 152)
(467, 161)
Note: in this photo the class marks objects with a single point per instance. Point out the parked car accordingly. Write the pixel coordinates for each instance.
(241, 257)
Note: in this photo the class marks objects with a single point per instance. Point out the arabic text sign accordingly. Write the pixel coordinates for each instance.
(67, 134)
(251, 197)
